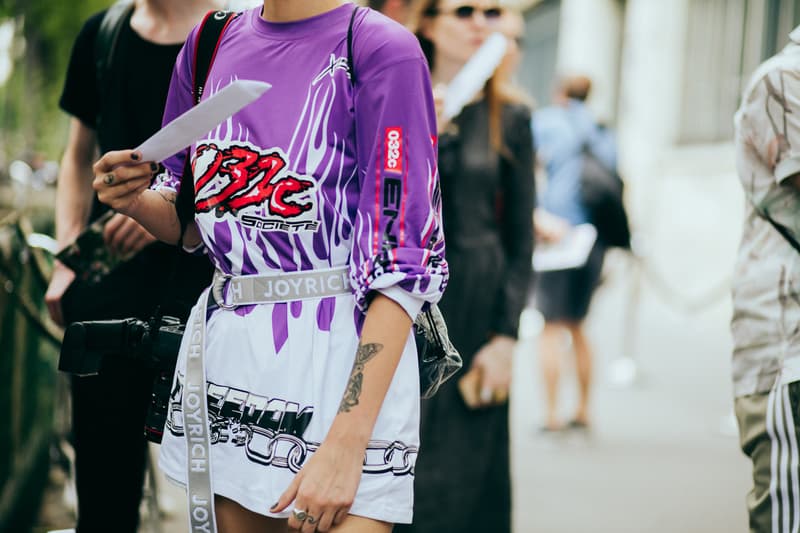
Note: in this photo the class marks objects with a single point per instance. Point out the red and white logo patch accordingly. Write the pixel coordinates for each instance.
(393, 148)
(255, 186)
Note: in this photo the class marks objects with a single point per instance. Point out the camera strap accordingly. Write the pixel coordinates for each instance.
(194, 401)
(195, 426)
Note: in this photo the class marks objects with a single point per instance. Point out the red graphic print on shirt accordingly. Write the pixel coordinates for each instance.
(249, 177)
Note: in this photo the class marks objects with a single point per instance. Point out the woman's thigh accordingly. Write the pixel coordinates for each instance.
(233, 518)
(359, 524)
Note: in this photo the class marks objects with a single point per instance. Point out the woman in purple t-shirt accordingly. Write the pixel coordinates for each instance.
(319, 206)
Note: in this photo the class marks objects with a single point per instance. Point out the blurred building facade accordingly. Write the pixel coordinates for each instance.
(666, 73)
(667, 76)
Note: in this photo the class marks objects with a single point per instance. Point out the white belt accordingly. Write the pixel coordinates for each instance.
(232, 291)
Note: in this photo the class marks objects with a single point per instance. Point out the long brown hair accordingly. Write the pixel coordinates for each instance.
(498, 91)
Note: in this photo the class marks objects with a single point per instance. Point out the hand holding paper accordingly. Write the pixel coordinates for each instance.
(121, 177)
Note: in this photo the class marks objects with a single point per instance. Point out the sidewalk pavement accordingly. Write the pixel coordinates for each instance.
(662, 456)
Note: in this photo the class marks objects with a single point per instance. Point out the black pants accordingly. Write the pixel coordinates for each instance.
(108, 413)
(109, 410)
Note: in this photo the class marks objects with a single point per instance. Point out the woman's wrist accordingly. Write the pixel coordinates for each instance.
(134, 209)
(350, 431)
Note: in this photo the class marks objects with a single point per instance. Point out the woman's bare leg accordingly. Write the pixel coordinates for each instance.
(551, 347)
(359, 524)
(233, 518)
(583, 367)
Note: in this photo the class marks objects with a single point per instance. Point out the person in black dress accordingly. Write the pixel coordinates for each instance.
(462, 474)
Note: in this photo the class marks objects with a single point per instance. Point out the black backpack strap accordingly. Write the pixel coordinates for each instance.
(106, 42)
(208, 38)
(105, 48)
(780, 228)
(350, 62)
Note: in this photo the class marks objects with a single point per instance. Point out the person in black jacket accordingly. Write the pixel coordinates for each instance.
(109, 410)
(486, 169)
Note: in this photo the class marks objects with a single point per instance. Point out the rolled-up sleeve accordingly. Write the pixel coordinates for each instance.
(399, 243)
(516, 222)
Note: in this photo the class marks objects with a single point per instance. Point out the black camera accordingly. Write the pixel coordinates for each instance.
(154, 343)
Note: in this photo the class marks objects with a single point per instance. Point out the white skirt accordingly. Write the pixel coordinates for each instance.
(276, 374)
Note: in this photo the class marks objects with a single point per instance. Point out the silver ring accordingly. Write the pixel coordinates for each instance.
(300, 515)
(311, 519)
(108, 179)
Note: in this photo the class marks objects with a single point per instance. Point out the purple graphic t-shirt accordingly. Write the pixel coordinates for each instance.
(320, 172)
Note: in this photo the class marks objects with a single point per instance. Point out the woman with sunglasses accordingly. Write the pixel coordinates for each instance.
(462, 479)
(323, 196)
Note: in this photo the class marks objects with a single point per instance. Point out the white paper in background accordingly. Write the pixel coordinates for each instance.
(201, 119)
(571, 251)
(241, 5)
(474, 74)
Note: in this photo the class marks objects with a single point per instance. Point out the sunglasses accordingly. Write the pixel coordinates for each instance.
(467, 12)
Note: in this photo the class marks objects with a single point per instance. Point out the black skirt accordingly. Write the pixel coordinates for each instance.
(565, 295)
(462, 477)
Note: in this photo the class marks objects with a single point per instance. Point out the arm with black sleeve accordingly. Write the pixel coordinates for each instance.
(517, 231)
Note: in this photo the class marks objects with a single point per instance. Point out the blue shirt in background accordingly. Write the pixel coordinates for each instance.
(559, 135)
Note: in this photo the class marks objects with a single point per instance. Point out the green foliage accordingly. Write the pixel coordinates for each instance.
(55, 25)
(29, 116)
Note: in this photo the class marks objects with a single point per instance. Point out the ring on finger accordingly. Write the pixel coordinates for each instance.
(310, 519)
(108, 179)
(300, 515)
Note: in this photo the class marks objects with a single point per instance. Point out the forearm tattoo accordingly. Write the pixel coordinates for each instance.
(354, 385)
(170, 198)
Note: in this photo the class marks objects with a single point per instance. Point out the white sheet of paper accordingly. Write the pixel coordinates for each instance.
(474, 74)
(201, 119)
(572, 251)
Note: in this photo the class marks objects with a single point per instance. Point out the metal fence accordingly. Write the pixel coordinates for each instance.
(28, 376)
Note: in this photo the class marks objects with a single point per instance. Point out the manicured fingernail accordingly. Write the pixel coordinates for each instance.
(274, 505)
(153, 166)
(135, 156)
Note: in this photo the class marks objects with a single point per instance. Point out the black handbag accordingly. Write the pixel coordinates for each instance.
(438, 358)
(601, 190)
(602, 195)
